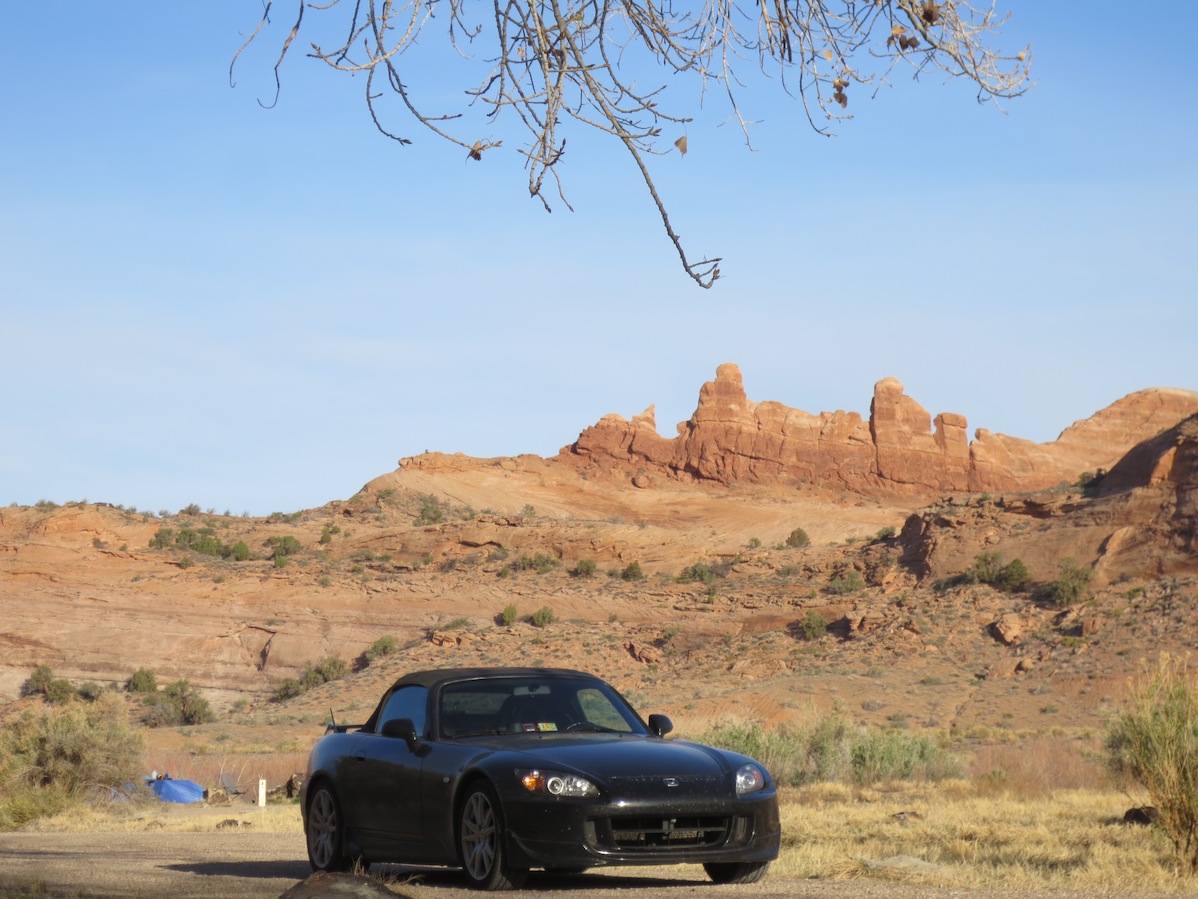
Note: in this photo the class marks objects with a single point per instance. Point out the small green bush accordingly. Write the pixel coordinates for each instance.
(238, 552)
(432, 511)
(1153, 741)
(510, 615)
(164, 538)
(383, 646)
(39, 681)
(543, 616)
(632, 572)
(797, 539)
(699, 572)
(834, 750)
(849, 581)
(812, 626)
(585, 568)
(885, 533)
(60, 691)
(1071, 585)
(288, 689)
(142, 680)
(285, 545)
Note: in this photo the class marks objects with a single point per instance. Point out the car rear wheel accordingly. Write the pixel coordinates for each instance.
(326, 832)
(736, 872)
(481, 842)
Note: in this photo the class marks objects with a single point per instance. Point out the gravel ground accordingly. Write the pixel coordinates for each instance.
(236, 865)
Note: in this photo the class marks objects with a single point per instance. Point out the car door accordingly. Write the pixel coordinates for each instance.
(385, 779)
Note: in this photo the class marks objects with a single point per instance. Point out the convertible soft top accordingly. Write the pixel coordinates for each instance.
(444, 675)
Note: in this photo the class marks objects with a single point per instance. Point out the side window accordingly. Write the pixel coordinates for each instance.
(406, 702)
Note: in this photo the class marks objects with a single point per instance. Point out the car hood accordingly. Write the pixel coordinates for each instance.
(618, 757)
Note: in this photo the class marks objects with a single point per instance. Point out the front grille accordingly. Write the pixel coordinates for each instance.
(645, 834)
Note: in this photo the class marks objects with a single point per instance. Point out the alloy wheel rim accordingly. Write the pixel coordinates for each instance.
(322, 828)
(478, 836)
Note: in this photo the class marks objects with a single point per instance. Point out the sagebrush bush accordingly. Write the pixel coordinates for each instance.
(797, 539)
(849, 581)
(510, 614)
(1071, 585)
(632, 572)
(1153, 741)
(812, 626)
(543, 616)
(143, 680)
(834, 750)
(53, 754)
(585, 568)
(383, 646)
(175, 705)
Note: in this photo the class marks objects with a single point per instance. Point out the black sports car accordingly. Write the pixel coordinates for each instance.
(500, 770)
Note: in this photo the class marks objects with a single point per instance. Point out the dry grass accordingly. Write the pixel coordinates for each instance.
(152, 815)
(1067, 839)
(966, 834)
(246, 769)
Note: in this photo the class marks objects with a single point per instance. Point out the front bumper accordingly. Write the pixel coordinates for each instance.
(580, 833)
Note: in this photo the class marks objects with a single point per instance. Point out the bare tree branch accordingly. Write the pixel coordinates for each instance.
(560, 61)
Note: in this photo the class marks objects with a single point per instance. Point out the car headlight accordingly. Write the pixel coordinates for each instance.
(555, 783)
(749, 779)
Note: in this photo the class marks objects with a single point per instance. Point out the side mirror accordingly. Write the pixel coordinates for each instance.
(660, 725)
(403, 729)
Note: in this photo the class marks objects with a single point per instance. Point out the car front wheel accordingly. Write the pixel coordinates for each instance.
(481, 842)
(736, 872)
(326, 832)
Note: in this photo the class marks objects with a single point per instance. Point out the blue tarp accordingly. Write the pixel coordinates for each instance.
(169, 790)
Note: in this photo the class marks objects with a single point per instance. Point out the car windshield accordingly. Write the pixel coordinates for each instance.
(515, 705)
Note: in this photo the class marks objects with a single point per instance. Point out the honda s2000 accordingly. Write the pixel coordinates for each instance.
(500, 770)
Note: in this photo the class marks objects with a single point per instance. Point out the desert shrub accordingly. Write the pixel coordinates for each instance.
(885, 533)
(432, 511)
(142, 680)
(164, 538)
(238, 552)
(178, 703)
(632, 572)
(989, 568)
(1013, 577)
(812, 626)
(50, 756)
(797, 539)
(849, 581)
(700, 572)
(585, 568)
(190, 509)
(1070, 585)
(288, 689)
(543, 616)
(510, 615)
(1152, 740)
(59, 691)
(89, 691)
(833, 749)
(541, 563)
(39, 681)
(285, 545)
(383, 646)
(325, 671)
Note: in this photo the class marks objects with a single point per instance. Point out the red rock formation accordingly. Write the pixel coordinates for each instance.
(901, 449)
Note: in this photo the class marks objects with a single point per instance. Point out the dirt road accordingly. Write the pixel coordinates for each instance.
(263, 865)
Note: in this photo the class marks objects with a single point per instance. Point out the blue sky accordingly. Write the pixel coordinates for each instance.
(260, 310)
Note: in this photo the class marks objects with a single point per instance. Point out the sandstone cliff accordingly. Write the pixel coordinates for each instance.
(900, 449)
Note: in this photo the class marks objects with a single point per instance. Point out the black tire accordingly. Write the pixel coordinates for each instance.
(482, 847)
(736, 872)
(324, 831)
